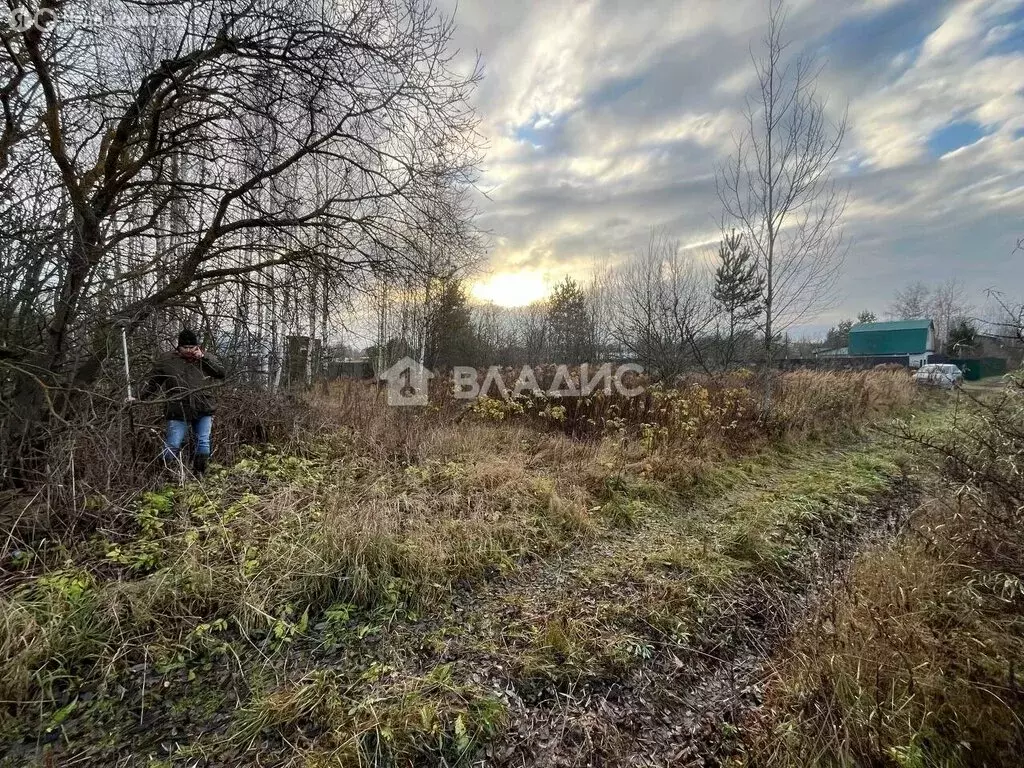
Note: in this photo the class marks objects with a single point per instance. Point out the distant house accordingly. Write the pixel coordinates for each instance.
(1006, 347)
(348, 367)
(912, 339)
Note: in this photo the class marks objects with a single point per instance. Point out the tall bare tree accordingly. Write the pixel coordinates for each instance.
(944, 304)
(1007, 319)
(779, 186)
(163, 164)
(218, 133)
(910, 303)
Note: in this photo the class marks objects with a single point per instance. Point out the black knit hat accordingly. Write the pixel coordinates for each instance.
(188, 338)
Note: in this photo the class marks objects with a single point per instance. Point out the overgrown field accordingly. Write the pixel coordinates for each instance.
(399, 587)
(914, 659)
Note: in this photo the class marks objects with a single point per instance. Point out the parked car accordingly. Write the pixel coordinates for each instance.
(944, 375)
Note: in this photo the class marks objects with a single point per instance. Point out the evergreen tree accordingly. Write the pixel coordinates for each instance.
(839, 336)
(450, 339)
(739, 289)
(569, 323)
(962, 337)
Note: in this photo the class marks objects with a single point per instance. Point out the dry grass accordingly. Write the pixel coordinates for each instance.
(725, 414)
(914, 662)
(369, 508)
(816, 403)
(277, 539)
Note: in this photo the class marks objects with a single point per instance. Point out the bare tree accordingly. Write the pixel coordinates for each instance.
(663, 308)
(910, 303)
(1004, 318)
(600, 307)
(159, 167)
(779, 189)
(944, 304)
(221, 139)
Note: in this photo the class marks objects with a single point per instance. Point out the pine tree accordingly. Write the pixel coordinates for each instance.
(739, 288)
(449, 329)
(839, 336)
(569, 322)
(962, 337)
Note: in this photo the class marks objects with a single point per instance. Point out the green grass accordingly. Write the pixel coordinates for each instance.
(430, 717)
(914, 661)
(301, 602)
(647, 590)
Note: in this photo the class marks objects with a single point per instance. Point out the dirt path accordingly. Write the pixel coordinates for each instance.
(642, 647)
(619, 654)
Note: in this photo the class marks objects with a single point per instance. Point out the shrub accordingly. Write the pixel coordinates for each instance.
(706, 413)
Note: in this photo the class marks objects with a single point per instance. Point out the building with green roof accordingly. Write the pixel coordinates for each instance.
(914, 339)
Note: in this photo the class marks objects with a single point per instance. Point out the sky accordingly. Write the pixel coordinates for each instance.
(605, 120)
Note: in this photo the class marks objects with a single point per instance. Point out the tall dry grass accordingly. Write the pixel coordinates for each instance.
(915, 661)
(731, 412)
(353, 503)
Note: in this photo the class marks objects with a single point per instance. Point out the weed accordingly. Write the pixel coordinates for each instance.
(913, 662)
(332, 541)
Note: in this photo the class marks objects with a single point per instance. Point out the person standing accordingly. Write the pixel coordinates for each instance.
(184, 376)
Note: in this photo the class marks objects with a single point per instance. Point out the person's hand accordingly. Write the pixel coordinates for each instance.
(198, 354)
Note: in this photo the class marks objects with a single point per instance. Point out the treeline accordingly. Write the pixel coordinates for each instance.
(959, 323)
(669, 310)
(245, 170)
(665, 309)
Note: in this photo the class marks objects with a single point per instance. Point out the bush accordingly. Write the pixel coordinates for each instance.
(728, 412)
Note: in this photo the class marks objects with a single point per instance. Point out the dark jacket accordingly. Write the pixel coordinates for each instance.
(185, 384)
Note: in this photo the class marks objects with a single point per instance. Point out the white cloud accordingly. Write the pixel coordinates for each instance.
(606, 119)
(952, 79)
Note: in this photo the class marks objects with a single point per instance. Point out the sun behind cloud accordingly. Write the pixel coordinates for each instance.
(512, 289)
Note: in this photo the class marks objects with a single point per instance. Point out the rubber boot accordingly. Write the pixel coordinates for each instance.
(199, 462)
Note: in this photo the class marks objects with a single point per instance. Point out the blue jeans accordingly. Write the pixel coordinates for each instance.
(177, 430)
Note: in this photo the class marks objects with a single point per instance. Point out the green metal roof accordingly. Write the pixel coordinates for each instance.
(895, 325)
(902, 337)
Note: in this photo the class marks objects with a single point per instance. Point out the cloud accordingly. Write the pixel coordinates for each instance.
(606, 120)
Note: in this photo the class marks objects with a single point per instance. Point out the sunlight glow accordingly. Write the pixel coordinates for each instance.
(512, 289)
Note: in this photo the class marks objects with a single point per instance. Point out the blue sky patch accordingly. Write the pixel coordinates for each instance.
(870, 42)
(954, 136)
(538, 130)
